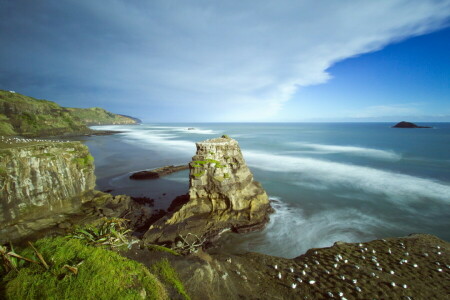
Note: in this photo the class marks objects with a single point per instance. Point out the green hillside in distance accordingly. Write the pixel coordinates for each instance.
(99, 116)
(26, 116)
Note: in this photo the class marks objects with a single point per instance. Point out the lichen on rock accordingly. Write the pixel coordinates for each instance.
(223, 196)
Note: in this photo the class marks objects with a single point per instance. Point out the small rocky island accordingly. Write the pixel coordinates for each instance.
(404, 124)
(159, 172)
(222, 197)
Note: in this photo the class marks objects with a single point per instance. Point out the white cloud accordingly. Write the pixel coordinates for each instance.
(241, 59)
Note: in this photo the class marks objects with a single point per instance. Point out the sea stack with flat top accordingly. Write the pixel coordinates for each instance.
(222, 196)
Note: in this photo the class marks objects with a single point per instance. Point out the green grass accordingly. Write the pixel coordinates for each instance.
(85, 161)
(99, 116)
(102, 274)
(3, 172)
(165, 271)
(27, 116)
(162, 249)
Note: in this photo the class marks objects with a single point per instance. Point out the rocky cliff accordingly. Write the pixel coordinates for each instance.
(222, 196)
(41, 182)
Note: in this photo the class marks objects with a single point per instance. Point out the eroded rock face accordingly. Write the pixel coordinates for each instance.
(223, 196)
(42, 183)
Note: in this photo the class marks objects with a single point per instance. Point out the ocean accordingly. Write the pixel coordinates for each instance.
(350, 182)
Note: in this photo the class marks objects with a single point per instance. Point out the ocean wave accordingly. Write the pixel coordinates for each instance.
(297, 232)
(395, 186)
(353, 150)
(193, 130)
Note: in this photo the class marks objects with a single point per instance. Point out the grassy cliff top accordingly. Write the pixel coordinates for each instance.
(26, 116)
(100, 116)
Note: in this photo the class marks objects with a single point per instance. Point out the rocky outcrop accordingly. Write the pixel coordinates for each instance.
(222, 196)
(159, 172)
(42, 182)
(415, 267)
(404, 124)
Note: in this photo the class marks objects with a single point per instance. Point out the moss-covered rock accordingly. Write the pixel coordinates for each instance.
(101, 274)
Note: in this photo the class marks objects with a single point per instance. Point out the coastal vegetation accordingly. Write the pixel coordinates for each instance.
(100, 116)
(87, 160)
(77, 270)
(84, 264)
(159, 248)
(199, 163)
(31, 117)
(169, 276)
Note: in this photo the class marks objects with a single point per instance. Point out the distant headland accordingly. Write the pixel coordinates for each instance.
(25, 116)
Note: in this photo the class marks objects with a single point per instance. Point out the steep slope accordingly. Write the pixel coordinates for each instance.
(27, 116)
(42, 183)
(30, 117)
(99, 116)
(223, 196)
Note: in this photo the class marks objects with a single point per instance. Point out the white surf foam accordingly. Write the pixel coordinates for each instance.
(291, 232)
(193, 130)
(353, 150)
(397, 187)
(163, 141)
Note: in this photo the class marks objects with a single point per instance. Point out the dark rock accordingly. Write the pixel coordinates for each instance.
(178, 202)
(143, 200)
(191, 128)
(159, 172)
(404, 124)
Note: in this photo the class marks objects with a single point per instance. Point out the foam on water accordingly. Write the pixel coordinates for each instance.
(352, 150)
(291, 232)
(395, 186)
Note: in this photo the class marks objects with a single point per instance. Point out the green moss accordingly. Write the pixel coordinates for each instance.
(169, 275)
(199, 174)
(226, 175)
(199, 163)
(3, 172)
(102, 274)
(87, 160)
(162, 249)
(225, 136)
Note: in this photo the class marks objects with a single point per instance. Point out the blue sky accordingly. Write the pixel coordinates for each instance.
(203, 61)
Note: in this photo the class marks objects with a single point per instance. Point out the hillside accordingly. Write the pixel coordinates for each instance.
(99, 116)
(27, 116)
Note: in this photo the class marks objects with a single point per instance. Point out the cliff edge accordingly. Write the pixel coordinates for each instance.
(42, 182)
(222, 196)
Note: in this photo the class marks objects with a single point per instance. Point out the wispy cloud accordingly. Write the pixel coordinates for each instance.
(227, 60)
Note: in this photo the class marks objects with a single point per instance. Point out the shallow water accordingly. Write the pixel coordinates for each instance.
(333, 181)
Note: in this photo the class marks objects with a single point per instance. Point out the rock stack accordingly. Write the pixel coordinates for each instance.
(222, 196)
